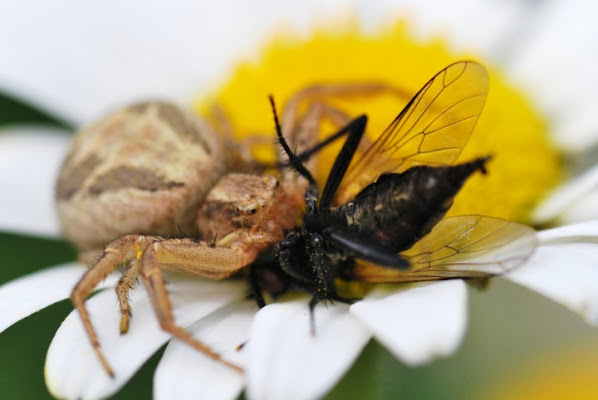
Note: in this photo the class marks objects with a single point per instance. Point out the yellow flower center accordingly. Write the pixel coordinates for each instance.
(524, 163)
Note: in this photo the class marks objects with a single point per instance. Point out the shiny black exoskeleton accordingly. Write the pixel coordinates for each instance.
(385, 218)
(399, 209)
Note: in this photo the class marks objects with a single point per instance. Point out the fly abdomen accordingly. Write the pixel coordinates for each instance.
(399, 209)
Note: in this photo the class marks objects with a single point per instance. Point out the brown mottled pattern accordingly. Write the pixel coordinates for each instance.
(181, 124)
(222, 210)
(125, 177)
(72, 179)
(140, 107)
(246, 188)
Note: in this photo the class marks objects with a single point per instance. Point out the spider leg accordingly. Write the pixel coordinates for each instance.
(122, 288)
(186, 255)
(305, 134)
(114, 254)
(153, 279)
(320, 93)
(203, 259)
(304, 129)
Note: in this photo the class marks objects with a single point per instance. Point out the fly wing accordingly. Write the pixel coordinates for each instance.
(468, 246)
(432, 129)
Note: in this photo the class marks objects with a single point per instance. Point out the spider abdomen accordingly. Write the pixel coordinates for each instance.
(143, 169)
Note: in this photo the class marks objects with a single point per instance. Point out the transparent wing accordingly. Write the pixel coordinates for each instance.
(468, 246)
(432, 129)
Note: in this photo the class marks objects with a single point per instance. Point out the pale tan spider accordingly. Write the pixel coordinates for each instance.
(135, 180)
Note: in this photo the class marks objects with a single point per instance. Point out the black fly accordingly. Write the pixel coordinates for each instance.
(392, 229)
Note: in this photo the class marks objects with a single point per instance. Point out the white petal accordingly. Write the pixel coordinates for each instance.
(561, 86)
(83, 59)
(584, 231)
(419, 324)
(28, 294)
(564, 199)
(287, 362)
(582, 209)
(72, 369)
(566, 273)
(185, 374)
(482, 26)
(576, 129)
(30, 158)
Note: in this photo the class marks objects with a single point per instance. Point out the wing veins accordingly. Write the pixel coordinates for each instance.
(457, 103)
(511, 240)
(421, 114)
(449, 125)
(430, 267)
(431, 259)
(430, 105)
(398, 145)
(433, 101)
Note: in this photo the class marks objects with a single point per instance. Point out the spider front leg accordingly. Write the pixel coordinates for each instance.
(302, 130)
(122, 288)
(147, 253)
(321, 93)
(153, 279)
(114, 254)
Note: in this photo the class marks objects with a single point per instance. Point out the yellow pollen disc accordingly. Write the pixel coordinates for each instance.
(524, 164)
(139, 254)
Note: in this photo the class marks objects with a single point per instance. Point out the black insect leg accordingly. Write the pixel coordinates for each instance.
(256, 290)
(324, 284)
(312, 320)
(364, 248)
(317, 299)
(343, 159)
(306, 155)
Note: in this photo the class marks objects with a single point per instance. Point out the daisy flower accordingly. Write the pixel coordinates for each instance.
(113, 54)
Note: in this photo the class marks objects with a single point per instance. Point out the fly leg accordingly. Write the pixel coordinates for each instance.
(325, 286)
(256, 290)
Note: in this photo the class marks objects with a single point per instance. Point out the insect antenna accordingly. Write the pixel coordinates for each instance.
(294, 161)
(354, 131)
